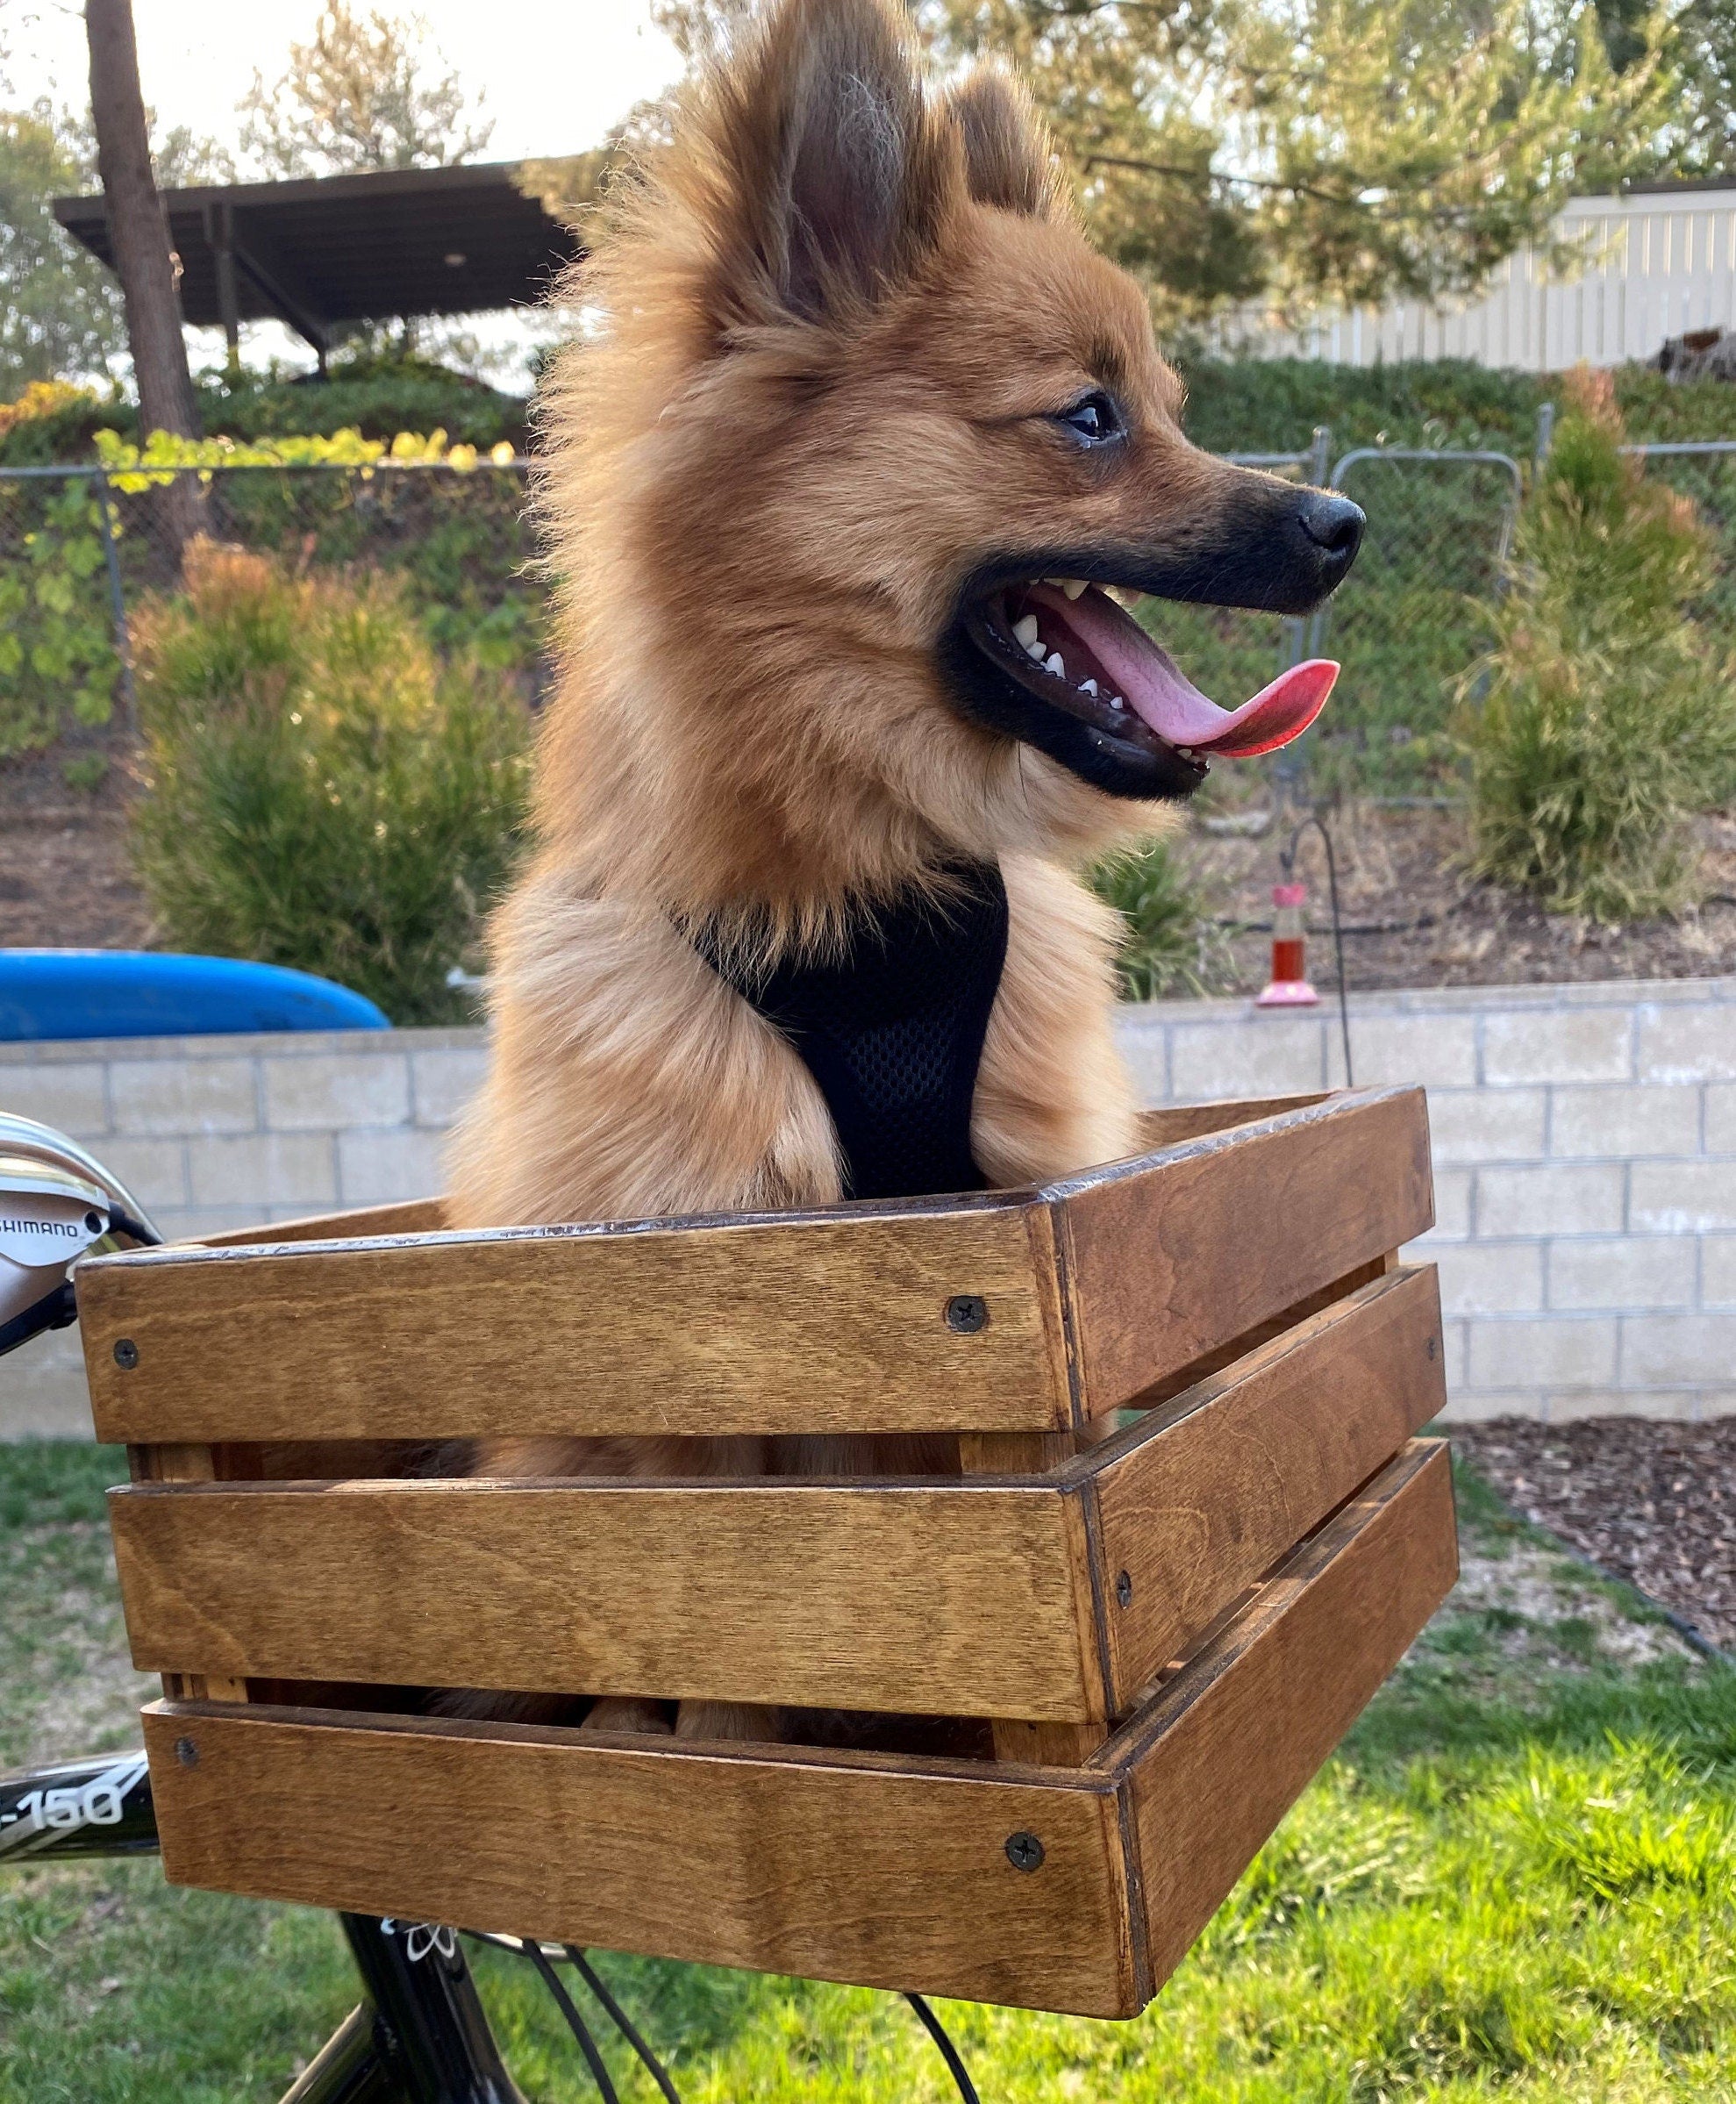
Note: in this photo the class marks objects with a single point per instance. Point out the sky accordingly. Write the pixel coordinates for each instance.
(554, 75)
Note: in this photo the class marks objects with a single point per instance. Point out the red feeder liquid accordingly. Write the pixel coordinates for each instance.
(1288, 986)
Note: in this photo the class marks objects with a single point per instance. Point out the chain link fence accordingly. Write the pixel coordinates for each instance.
(83, 551)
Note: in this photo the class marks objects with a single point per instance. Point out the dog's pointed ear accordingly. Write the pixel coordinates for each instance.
(842, 173)
(1009, 158)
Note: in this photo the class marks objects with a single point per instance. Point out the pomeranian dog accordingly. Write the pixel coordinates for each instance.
(841, 479)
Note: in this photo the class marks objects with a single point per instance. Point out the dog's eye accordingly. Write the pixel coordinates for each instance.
(1094, 417)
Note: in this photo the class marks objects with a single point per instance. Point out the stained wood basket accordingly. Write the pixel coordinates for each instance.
(1168, 1628)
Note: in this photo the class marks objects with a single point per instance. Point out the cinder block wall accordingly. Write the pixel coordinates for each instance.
(1584, 1143)
(1585, 1172)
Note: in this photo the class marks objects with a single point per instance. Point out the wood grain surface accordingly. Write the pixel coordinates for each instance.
(1169, 1257)
(1229, 1476)
(804, 1323)
(1052, 1592)
(185, 1464)
(942, 1599)
(1179, 1122)
(1093, 1290)
(409, 1216)
(891, 1873)
(1229, 1745)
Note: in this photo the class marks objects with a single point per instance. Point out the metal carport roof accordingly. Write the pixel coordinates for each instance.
(341, 248)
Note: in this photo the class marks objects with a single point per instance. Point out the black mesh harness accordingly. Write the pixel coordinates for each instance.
(893, 1031)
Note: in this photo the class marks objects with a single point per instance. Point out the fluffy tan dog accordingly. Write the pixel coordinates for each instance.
(857, 385)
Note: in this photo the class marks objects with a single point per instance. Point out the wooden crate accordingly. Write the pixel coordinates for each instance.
(1168, 1629)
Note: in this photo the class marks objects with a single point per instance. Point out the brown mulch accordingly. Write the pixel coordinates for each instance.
(1649, 1501)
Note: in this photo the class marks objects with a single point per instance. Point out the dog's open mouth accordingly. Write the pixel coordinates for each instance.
(1071, 646)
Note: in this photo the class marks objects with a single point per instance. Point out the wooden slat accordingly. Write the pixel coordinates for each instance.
(799, 1323)
(1169, 1258)
(1196, 1506)
(894, 1874)
(940, 1600)
(410, 1216)
(847, 1866)
(1228, 1746)
(828, 1321)
(1179, 1122)
(168, 1464)
(1000, 1597)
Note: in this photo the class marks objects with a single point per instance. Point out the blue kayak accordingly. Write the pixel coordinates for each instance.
(65, 993)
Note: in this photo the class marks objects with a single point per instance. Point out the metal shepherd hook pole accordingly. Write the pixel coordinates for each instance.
(1288, 860)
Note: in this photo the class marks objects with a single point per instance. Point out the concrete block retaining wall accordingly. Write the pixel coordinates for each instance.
(1584, 1144)
(1585, 1172)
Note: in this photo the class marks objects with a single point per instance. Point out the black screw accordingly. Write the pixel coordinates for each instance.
(967, 1312)
(187, 1753)
(126, 1353)
(1025, 1851)
(93, 1223)
(1124, 1588)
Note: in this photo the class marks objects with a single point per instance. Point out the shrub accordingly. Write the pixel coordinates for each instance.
(1600, 720)
(378, 396)
(318, 791)
(1171, 946)
(57, 654)
(454, 533)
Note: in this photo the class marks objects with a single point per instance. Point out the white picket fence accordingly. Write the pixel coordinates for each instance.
(1650, 264)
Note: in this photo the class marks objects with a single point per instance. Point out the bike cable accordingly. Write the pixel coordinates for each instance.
(621, 2021)
(528, 1947)
(576, 2023)
(949, 2052)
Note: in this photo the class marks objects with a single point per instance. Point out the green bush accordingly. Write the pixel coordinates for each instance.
(444, 520)
(1602, 718)
(1171, 946)
(57, 654)
(320, 790)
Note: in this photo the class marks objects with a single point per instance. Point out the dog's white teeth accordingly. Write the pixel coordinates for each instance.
(1072, 586)
(1026, 631)
(1035, 649)
(1052, 663)
(1088, 686)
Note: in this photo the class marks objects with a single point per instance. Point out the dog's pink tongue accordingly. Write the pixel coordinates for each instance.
(1156, 689)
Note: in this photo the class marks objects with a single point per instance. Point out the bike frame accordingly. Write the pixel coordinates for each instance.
(420, 2035)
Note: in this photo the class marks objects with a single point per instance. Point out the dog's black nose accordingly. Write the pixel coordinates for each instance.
(1333, 523)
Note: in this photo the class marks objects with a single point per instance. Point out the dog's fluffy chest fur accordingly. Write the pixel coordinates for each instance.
(629, 1081)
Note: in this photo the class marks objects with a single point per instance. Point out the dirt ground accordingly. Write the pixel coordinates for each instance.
(1651, 1502)
(1409, 918)
(64, 883)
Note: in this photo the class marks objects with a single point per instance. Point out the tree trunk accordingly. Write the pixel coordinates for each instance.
(138, 231)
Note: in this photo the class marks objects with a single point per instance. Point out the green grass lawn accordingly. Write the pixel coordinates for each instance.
(1518, 1879)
